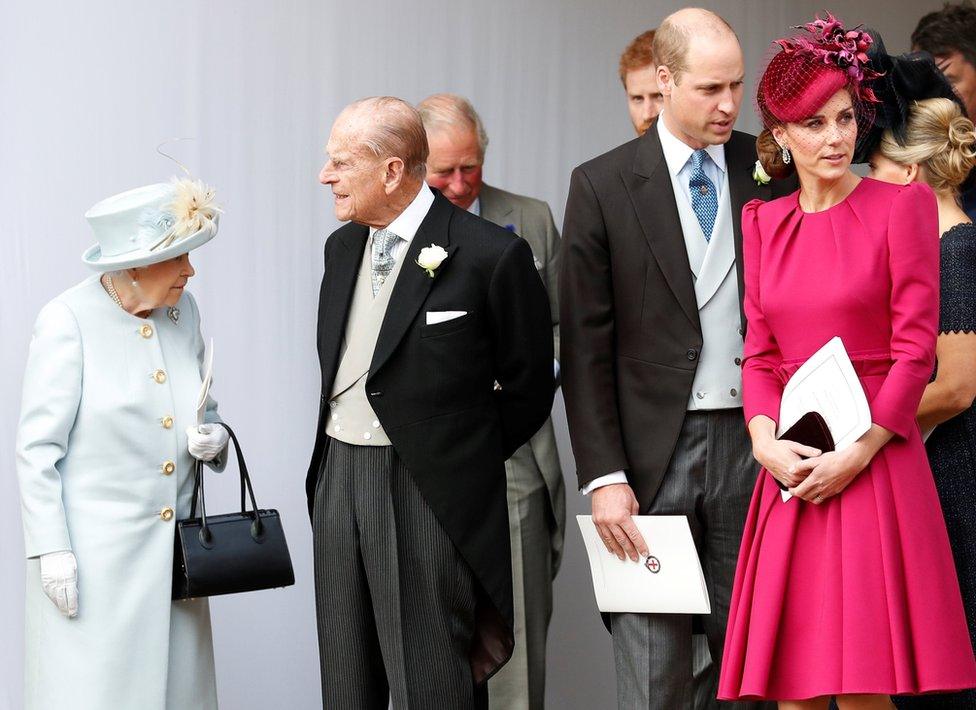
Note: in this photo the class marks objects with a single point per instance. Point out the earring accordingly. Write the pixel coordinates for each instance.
(786, 155)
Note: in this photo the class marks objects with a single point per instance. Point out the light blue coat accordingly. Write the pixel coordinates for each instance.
(92, 450)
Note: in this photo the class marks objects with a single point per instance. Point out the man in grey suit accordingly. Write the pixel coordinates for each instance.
(536, 493)
(651, 312)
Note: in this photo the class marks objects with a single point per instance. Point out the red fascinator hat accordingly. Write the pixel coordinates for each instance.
(811, 68)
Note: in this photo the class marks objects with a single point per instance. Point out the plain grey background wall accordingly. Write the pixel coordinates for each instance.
(89, 89)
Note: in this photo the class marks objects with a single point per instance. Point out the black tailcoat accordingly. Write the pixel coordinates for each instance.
(433, 386)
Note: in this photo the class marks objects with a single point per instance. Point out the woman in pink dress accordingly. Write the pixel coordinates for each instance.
(848, 589)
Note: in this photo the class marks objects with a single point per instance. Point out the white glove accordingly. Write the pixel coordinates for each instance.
(205, 441)
(59, 578)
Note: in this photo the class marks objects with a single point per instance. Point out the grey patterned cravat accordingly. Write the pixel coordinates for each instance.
(382, 254)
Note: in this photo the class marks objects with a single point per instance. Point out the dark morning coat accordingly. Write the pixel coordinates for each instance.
(433, 386)
(628, 313)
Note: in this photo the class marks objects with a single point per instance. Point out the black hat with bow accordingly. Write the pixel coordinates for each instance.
(904, 79)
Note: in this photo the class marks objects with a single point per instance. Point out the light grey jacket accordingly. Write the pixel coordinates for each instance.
(532, 220)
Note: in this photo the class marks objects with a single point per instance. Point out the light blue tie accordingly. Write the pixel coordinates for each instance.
(704, 200)
(383, 261)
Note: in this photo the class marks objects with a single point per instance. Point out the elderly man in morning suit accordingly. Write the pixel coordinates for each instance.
(423, 309)
(651, 323)
(536, 492)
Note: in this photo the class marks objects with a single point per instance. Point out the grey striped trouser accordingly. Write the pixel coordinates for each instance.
(710, 480)
(394, 599)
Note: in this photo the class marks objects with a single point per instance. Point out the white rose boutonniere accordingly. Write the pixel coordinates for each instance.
(760, 175)
(431, 258)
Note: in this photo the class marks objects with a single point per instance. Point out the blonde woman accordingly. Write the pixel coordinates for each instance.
(105, 451)
(938, 148)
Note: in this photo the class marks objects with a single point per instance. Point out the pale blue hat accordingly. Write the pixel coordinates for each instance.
(151, 224)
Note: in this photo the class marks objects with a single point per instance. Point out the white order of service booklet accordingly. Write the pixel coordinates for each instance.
(827, 383)
(207, 380)
(668, 581)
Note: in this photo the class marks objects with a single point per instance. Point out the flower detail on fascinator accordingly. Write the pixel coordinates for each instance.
(836, 46)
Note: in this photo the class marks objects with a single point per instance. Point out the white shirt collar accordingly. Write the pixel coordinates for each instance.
(677, 152)
(475, 207)
(408, 222)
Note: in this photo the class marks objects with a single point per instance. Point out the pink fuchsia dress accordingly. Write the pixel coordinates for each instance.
(858, 594)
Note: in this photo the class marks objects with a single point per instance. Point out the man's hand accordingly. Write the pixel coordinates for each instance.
(613, 506)
(59, 579)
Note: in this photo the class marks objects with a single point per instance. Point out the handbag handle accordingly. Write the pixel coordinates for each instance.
(257, 527)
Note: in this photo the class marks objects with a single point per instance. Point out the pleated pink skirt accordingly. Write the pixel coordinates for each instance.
(856, 595)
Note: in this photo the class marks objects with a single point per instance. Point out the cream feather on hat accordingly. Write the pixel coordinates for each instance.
(151, 224)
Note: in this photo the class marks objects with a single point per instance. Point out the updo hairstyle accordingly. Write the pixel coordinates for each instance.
(938, 138)
(771, 156)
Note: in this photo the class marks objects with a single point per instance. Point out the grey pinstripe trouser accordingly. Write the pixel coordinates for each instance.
(710, 480)
(394, 599)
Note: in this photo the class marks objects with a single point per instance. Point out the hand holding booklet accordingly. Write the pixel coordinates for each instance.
(826, 386)
(668, 581)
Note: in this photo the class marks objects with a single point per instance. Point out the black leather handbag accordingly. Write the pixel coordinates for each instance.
(231, 553)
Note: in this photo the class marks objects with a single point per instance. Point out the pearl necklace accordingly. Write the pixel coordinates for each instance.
(110, 287)
(173, 312)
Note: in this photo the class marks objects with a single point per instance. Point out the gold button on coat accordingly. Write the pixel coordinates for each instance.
(167, 422)
(159, 376)
(146, 331)
(168, 468)
(166, 514)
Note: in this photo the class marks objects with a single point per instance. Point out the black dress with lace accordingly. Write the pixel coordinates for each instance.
(952, 446)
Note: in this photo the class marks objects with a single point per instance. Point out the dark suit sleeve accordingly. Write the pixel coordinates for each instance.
(311, 475)
(587, 332)
(322, 285)
(520, 320)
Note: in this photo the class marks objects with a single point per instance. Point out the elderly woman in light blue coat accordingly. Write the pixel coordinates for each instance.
(105, 456)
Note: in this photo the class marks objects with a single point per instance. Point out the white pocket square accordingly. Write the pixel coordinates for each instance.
(443, 316)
